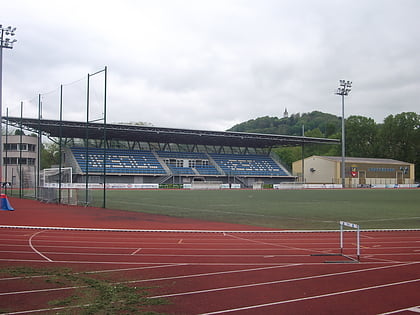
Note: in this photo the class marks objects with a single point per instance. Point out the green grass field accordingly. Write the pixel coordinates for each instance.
(282, 209)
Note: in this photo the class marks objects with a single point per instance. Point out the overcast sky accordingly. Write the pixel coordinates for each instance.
(210, 64)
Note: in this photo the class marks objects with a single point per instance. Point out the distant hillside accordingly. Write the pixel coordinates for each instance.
(327, 124)
(398, 137)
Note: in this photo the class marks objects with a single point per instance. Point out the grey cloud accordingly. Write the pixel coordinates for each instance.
(212, 64)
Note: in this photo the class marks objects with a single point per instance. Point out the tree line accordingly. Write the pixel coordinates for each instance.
(398, 137)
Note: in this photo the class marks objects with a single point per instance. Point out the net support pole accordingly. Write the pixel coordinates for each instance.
(60, 144)
(38, 165)
(105, 143)
(20, 151)
(87, 143)
(341, 238)
(358, 243)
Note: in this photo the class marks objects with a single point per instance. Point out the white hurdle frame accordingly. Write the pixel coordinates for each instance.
(354, 226)
(350, 259)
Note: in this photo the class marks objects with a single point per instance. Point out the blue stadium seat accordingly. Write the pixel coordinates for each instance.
(248, 165)
(138, 162)
(118, 161)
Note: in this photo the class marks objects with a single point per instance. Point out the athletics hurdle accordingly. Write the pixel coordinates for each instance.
(350, 259)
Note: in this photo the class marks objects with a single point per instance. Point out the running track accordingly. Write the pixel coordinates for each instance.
(210, 273)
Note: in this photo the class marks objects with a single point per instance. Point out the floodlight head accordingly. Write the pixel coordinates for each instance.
(343, 91)
(345, 87)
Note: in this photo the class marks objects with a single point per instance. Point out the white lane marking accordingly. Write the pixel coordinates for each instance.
(311, 297)
(48, 309)
(40, 290)
(211, 273)
(136, 251)
(145, 280)
(278, 281)
(99, 271)
(415, 309)
(273, 244)
(34, 249)
(197, 264)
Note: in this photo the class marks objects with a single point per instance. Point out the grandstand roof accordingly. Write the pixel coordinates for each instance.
(362, 160)
(74, 129)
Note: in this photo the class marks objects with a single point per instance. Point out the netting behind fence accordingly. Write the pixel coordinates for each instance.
(70, 196)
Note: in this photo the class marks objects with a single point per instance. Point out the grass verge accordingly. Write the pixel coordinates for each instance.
(87, 295)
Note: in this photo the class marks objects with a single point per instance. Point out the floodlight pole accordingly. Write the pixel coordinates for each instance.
(343, 90)
(5, 42)
(303, 155)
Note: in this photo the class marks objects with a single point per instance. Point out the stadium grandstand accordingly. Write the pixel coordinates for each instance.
(132, 154)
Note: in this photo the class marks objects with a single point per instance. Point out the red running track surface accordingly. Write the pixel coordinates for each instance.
(211, 273)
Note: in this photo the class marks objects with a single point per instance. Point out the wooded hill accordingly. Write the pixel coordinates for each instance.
(398, 137)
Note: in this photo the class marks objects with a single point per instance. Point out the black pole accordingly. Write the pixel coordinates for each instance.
(20, 150)
(6, 163)
(303, 155)
(60, 144)
(87, 143)
(39, 147)
(105, 142)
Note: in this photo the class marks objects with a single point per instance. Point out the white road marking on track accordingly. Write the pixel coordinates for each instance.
(99, 271)
(415, 309)
(212, 273)
(158, 263)
(147, 280)
(96, 262)
(34, 249)
(40, 290)
(280, 281)
(48, 309)
(311, 297)
(272, 244)
(235, 271)
(157, 255)
(136, 251)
